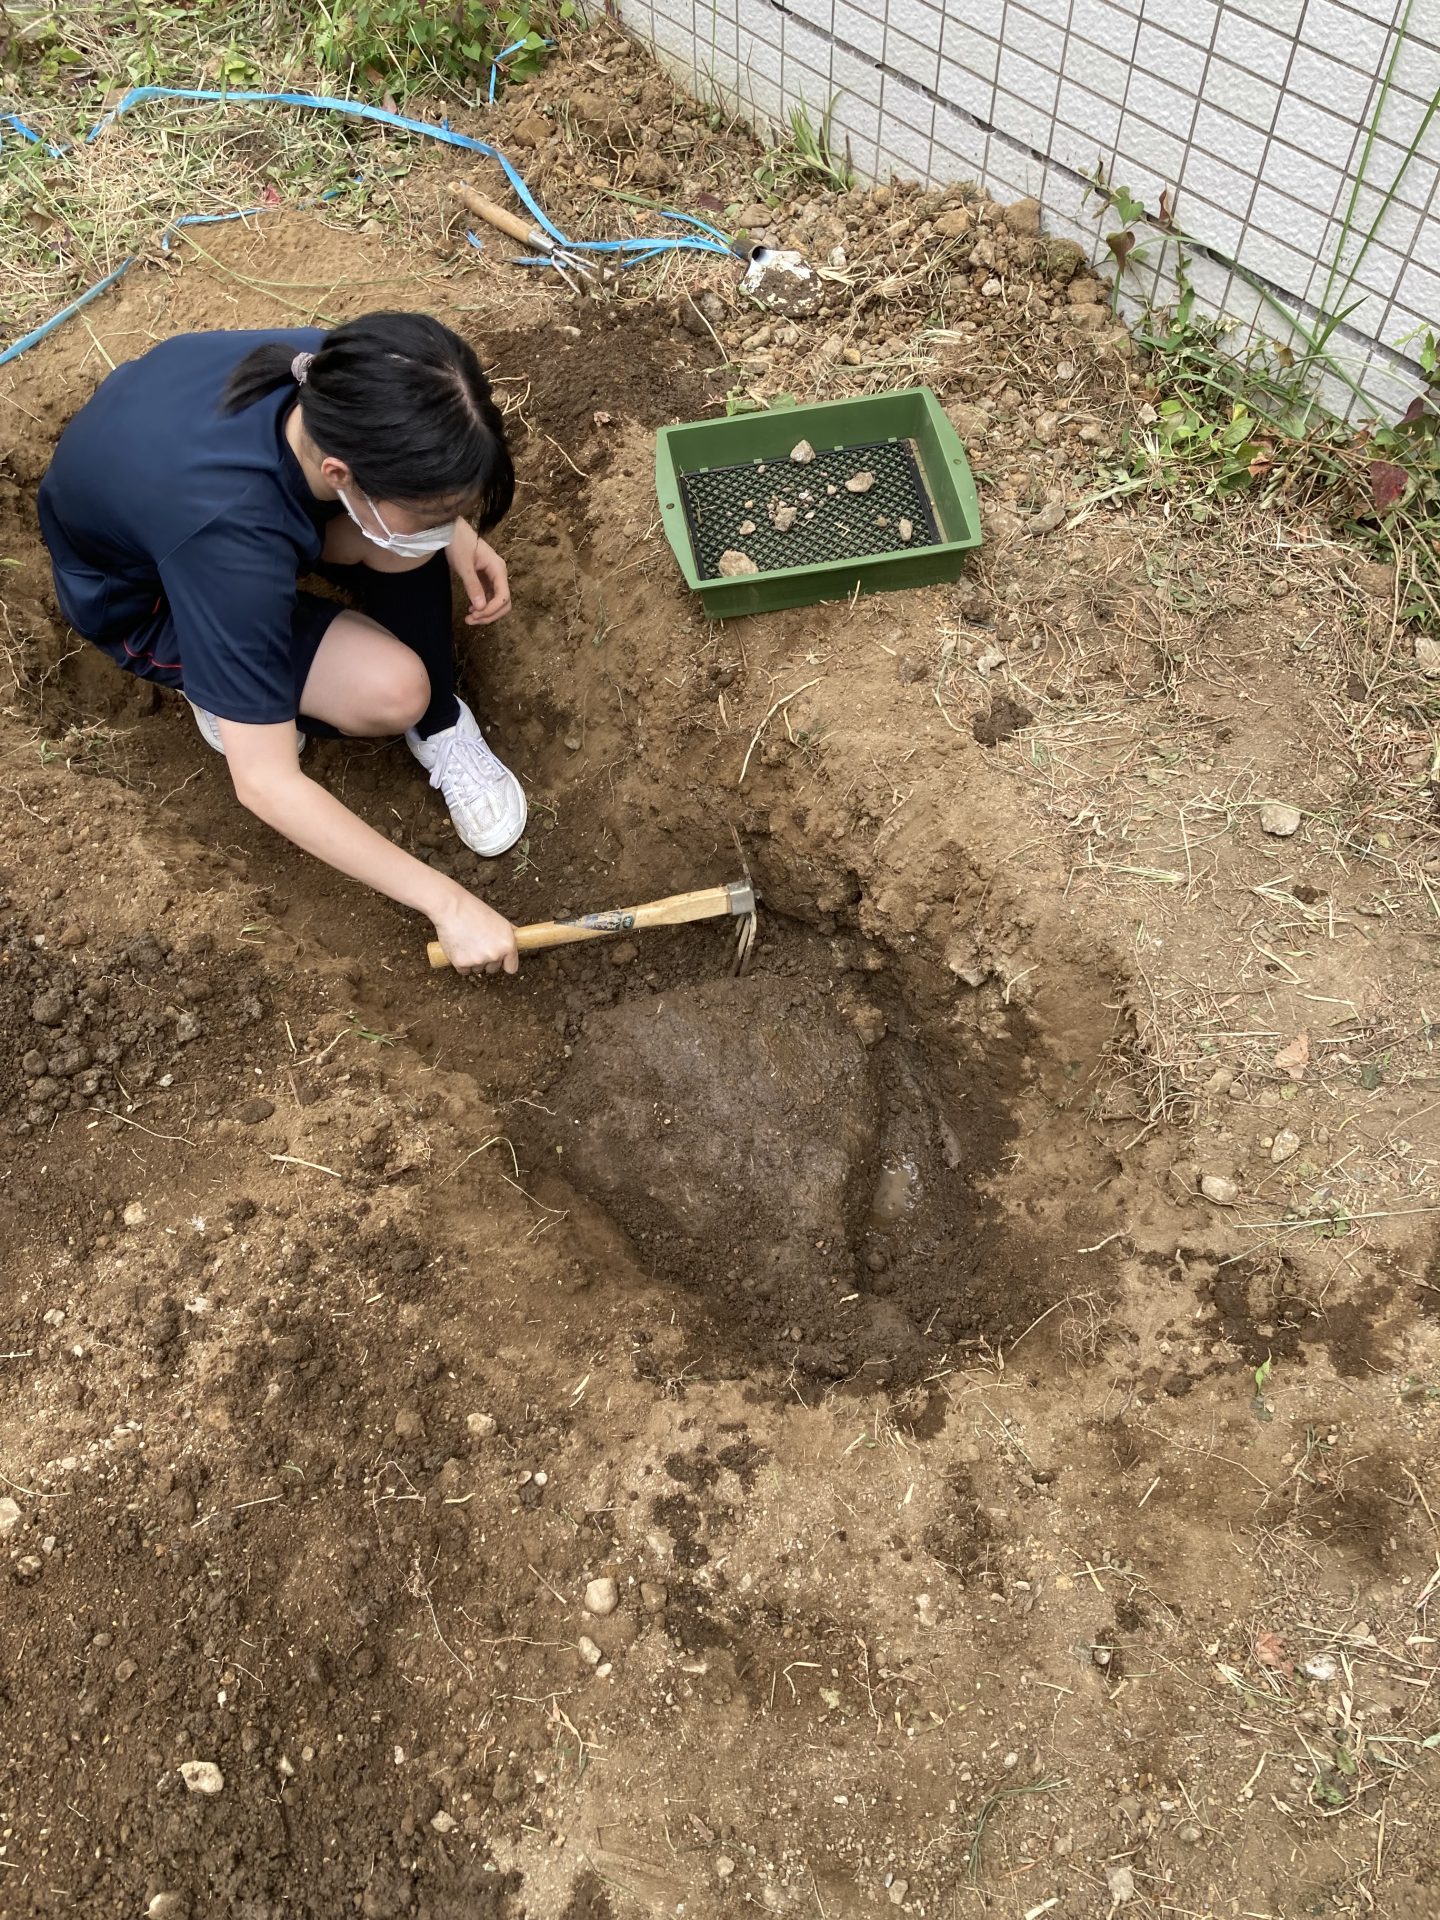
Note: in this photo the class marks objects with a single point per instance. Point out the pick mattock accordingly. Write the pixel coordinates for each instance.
(736, 898)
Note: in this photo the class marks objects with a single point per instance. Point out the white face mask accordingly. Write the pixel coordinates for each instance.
(409, 546)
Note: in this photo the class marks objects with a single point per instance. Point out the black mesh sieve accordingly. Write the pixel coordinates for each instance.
(827, 526)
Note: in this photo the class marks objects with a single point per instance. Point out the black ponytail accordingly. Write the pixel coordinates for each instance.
(404, 402)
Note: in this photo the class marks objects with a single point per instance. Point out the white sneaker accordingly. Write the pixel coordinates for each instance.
(210, 729)
(486, 801)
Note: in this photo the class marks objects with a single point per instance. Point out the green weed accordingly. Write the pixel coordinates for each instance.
(358, 1031)
(806, 156)
(1258, 1405)
(739, 400)
(1252, 424)
(1225, 425)
(450, 44)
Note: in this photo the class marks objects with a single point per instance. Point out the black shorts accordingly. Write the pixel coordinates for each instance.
(152, 652)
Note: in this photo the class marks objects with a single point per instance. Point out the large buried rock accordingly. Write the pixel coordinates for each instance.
(735, 1123)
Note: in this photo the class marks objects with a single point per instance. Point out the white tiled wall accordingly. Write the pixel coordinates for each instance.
(1263, 119)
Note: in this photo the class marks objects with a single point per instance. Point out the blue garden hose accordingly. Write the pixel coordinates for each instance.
(14, 120)
(632, 251)
(504, 54)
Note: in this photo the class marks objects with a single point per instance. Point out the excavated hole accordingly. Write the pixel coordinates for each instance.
(797, 1151)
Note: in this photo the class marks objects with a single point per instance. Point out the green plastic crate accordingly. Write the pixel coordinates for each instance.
(904, 438)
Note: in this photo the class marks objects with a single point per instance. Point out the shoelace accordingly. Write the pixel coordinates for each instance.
(467, 761)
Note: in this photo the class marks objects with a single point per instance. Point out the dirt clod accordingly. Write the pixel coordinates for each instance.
(1280, 819)
(733, 564)
(202, 1776)
(860, 482)
(602, 1596)
(1005, 718)
(1047, 518)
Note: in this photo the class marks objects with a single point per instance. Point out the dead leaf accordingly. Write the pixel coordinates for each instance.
(1122, 245)
(1295, 1058)
(1387, 483)
(1270, 1652)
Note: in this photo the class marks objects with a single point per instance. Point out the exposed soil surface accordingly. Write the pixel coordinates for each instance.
(1000, 1520)
(774, 1146)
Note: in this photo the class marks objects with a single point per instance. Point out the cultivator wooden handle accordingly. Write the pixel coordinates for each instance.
(498, 216)
(736, 897)
(578, 273)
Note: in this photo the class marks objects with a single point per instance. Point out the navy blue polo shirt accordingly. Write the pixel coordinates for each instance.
(158, 503)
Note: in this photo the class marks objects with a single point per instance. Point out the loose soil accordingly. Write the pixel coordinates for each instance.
(998, 1524)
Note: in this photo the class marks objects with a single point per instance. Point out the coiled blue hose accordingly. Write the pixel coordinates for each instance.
(634, 251)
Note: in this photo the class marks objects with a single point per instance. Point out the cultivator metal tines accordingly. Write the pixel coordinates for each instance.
(782, 514)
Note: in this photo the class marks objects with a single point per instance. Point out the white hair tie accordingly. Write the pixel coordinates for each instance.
(300, 367)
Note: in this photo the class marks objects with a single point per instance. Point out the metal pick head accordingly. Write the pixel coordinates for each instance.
(743, 904)
(742, 896)
(744, 945)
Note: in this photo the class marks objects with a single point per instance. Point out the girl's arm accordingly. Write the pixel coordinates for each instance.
(474, 562)
(268, 781)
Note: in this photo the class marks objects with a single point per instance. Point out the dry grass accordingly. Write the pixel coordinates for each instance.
(74, 218)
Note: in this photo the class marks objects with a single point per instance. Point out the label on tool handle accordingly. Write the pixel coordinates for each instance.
(601, 922)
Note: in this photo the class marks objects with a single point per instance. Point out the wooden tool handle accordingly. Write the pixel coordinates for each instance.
(496, 216)
(706, 903)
